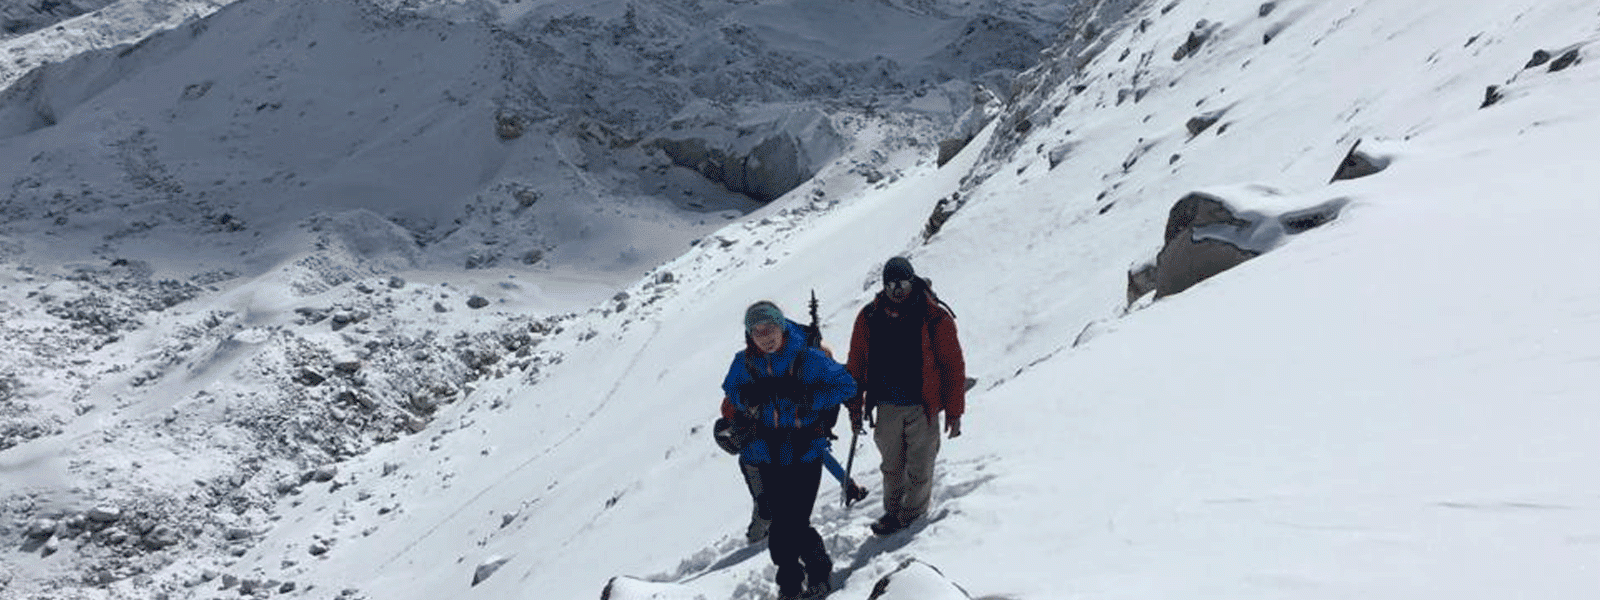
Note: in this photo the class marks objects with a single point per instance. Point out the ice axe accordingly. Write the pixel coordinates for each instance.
(850, 497)
(849, 479)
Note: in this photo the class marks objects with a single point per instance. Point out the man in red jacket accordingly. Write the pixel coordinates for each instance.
(907, 362)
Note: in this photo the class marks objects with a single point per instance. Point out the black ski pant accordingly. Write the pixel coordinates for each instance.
(787, 496)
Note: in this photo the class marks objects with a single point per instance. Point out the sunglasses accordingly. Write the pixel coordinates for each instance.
(902, 286)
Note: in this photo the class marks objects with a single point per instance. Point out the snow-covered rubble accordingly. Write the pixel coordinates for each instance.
(37, 33)
(18, 18)
(248, 411)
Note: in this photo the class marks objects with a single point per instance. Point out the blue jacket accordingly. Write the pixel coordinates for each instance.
(827, 380)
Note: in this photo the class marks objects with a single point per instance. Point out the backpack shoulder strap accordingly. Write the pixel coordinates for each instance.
(927, 287)
(794, 365)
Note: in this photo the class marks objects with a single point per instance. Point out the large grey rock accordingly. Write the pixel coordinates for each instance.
(761, 155)
(104, 514)
(1211, 231)
(1187, 259)
(1141, 280)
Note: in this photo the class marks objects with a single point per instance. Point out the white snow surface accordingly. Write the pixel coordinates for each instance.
(1395, 405)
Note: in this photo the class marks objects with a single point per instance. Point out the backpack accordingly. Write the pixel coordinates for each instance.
(927, 288)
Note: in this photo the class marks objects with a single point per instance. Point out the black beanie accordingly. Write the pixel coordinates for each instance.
(898, 269)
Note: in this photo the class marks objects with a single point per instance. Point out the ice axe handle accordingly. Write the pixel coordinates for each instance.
(849, 463)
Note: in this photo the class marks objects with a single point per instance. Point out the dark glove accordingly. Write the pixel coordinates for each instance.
(952, 424)
(858, 411)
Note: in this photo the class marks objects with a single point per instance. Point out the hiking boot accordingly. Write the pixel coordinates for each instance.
(757, 530)
(819, 580)
(887, 525)
(817, 590)
(794, 594)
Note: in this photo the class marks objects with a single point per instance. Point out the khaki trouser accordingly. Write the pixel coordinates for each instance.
(909, 443)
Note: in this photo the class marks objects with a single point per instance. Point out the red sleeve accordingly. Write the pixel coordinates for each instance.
(952, 366)
(857, 364)
(727, 408)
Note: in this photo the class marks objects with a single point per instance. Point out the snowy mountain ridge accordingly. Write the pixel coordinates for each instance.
(330, 169)
(1393, 404)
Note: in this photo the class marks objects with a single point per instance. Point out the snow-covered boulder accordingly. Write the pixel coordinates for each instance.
(761, 154)
(1214, 230)
(628, 588)
(917, 580)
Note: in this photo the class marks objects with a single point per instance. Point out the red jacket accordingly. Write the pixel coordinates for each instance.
(944, 370)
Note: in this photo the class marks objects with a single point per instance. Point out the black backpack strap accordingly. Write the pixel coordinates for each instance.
(753, 412)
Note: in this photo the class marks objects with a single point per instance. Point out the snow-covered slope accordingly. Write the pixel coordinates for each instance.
(33, 33)
(1392, 405)
(19, 18)
(275, 238)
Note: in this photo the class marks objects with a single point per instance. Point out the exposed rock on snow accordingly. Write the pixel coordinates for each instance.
(941, 213)
(1492, 95)
(1361, 162)
(1567, 59)
(487, 568)
(1204, 121)
(985, 107)
(1198, 36)
(1209, 232)
(762, 155)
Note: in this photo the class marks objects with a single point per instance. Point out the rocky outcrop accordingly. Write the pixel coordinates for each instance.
(1211, 231)
(985, 107)
(1187, 259)
(1361, 162)
(762, 156)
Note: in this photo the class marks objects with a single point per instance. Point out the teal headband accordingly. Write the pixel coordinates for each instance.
(762, 312)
